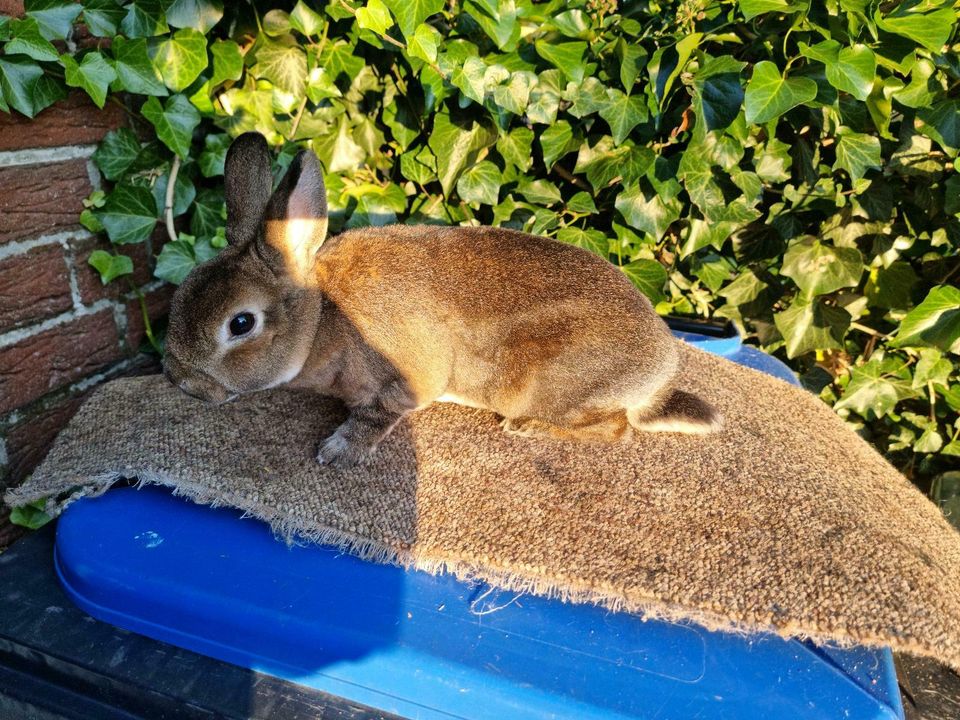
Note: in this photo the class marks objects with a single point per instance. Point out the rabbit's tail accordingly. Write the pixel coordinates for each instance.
(675, 411)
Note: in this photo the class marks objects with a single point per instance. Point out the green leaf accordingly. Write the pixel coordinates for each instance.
(424, 43)
(282, 62)
(93, 75)
(480, 184)
(581, 202)
(174, 122)
(652, 215)
(209, 213)
(514, 94)
(718, 92)
(857, 153)
(54, 17)
(592, 240)
(811, 325)
(891, 287)
(933, 323)
(175, 261)
(129, 214)
(304, 19)
(854, 71)
(469, 78)
(135, 72)
(932, 30)
(144, 18)
(769, 95)
(622, 113)
(818, 269)
(556, 141)
(410, 14)
(942, 124)
(339, 152)
(374, 16)
(180, 58)
(455, 143)
(631, 58)
(604, 163)
(568, 57)
(932, 368)
(649, 276)
(277, 22)
(28, 40)
(876, 387)
(517, 147)
(752, 8)
(117, 151)
(200, 15)
(183, 193)
(110, 266)
(102, 17)
(30, 516)
(539, 192)
(25, 87)
(227, 62)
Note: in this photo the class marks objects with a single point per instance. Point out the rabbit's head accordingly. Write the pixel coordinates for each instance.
(246, 320)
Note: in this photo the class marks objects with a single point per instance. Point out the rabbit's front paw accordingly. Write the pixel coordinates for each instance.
(338, 452)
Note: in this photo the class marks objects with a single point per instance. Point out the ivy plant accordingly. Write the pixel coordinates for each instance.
(788, 165)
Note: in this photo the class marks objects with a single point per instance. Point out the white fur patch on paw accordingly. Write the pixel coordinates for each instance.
(336, 451)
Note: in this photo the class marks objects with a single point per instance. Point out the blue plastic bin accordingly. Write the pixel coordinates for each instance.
(432, 647)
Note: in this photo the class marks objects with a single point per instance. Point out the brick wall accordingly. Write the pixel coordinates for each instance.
(61, 331)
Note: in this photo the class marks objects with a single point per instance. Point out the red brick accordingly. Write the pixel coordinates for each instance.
(88, 279)
(58, 356)
(73, 121)
(33, 285)
(40, 199)
(29, 441)
(158, 305)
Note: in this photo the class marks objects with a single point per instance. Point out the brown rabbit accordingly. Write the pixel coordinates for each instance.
(551, 337)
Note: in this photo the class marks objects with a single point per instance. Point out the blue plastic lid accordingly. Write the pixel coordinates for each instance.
(428, 646)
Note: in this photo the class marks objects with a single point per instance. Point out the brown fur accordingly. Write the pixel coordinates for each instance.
(551, 337)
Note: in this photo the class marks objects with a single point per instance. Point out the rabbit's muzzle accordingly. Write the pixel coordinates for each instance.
(195, 383)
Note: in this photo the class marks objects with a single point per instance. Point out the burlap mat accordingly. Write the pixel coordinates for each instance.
(785, 520)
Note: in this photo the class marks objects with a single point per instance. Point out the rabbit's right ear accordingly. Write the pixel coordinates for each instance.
(247, 185)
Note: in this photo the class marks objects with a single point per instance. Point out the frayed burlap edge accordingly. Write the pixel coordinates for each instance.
(468, 569)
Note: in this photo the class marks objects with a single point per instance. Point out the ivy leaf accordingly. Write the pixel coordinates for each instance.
(818, 269)
(175, 261)
(374, 16)
(752, 8)
(514, 94)
(339, 152)
(593, 240)
(116, 153)
(516, 147)
(876, 387)
(933, 323)
(652, 215)
(135, 72)
(455, 143)
(54, 17)
(891, 287)
(809, 325)
(180, 58)
(556, 141)
(426, 39)
(93, 75)
(30, 516)
(28, 40)
(649, 277)
(184, 193)
(200, 15)
(854, 71)
(581, 202)
(718, 92)
(932, 30)
(769, 95)
(282, 62)
(469, 78)
(144, 18)
(932, 368)
(480, 184)
(102, 17)
(174, 122)
(942, 124)
(857, 153)
(566, 57)
(110, 266)
(622, 113)
(539, 192)
(208, 213)
(25, 86)
(129, 214)
(227, 62)
(304, 19)
(410, 14)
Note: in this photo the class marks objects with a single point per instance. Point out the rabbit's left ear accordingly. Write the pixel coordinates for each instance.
(295, 222)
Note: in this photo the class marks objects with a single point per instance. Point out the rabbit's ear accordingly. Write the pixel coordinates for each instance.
(247, 184)
(296, 216)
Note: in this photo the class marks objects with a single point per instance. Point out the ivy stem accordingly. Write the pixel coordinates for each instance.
(168, 199)
(868, 330)
(147, 326)
(933, 401)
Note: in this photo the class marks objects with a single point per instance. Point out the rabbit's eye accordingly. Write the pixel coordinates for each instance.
(241, 324)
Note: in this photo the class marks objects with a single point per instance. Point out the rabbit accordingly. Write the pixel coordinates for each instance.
(552, 338)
